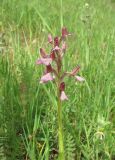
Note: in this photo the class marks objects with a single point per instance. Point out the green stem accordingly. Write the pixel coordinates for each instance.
(60, 130)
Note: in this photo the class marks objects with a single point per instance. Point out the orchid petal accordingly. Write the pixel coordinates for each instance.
(63, 96)
(45, 61)
(80, 79)
(45, 78)
(74, 71)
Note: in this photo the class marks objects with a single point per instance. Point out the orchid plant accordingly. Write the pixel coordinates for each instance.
(53, 72)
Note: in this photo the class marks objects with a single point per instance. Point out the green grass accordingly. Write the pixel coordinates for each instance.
(28, 114)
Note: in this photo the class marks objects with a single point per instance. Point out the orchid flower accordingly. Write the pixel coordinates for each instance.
(57, 51)
(53, 70)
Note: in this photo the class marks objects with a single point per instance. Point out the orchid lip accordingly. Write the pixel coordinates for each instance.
(45, 78)
(63, 96)
(56, 48)
(80, 79)
(45, 61)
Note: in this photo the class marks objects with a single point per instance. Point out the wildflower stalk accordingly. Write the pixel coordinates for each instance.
(53, 72)
(60, 126)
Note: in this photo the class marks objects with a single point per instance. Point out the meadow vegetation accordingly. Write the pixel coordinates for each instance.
(28, 110)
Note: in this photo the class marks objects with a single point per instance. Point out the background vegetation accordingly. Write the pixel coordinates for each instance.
(28, 128)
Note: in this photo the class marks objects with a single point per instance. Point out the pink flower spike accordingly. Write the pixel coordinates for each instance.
(43, 53)
(50, 40)
(45, 61)
(45, 78)
(63, 96)
(80, 79)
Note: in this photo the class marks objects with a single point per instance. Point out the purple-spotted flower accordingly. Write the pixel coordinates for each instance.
(53, 63)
